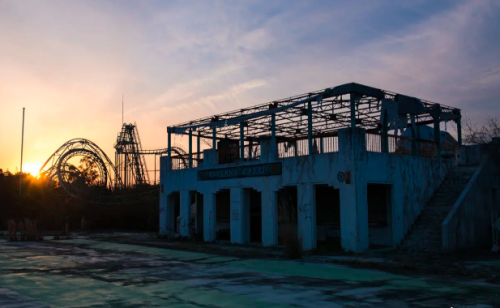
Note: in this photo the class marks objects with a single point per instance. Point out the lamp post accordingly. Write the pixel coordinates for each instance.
(22, 144)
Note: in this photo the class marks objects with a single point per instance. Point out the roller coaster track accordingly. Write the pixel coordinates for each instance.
(130, 161)
(100, 182)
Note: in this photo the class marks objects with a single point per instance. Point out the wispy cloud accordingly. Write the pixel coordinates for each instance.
(70, 62)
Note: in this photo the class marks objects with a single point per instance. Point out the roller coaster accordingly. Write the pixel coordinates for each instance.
(82, 169)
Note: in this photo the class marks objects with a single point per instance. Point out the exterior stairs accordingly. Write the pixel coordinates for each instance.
(425, 235)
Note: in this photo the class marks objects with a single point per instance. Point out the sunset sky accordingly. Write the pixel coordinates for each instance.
(69, 62)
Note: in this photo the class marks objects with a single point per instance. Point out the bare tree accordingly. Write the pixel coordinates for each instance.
(480, 134)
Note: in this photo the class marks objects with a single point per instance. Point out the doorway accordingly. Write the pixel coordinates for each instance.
(223, 215)
(379, 197)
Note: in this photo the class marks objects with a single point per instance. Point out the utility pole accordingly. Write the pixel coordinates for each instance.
(22, 144)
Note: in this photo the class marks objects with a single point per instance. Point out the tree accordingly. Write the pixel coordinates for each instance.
(483, 135)
(480, 134)
(88, 171)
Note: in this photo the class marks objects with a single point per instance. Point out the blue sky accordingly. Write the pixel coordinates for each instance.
(69, 62)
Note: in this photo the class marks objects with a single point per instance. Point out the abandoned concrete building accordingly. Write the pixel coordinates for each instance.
(352, 164)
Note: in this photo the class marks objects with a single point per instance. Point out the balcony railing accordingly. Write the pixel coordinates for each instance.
(232, 154)
(301, 147)
(403, 145)
(373, 142)
(180, 162)
(252, 152)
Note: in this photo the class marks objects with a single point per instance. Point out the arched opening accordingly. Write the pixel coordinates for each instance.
(223, 215)
(327, 217)
(287, 214)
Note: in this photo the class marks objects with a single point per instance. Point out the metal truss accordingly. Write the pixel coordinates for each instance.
(130, 159)
(331, 111)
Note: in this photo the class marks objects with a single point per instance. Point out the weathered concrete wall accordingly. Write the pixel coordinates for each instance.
(469, 222)
(414, 181)
(471, 155)
(315, 169)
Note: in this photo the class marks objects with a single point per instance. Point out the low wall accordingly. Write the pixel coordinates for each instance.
(471, 155)
(414, 181)
(468, 224)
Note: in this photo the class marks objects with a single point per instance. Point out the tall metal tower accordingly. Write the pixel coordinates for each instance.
(129, 158)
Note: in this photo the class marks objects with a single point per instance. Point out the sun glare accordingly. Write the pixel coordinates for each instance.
(32, 168)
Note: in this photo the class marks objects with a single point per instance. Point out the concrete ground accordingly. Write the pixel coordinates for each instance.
(130, 270)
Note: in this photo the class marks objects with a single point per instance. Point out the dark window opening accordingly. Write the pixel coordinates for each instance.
(327, 217)
(378, 204)
(198, 215)
(255, 216)
(379, 198)
(223, 215)
(175, 201)
(287, 213)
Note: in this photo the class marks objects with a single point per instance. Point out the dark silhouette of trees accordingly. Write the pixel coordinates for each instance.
(51, 207)
(474, 133)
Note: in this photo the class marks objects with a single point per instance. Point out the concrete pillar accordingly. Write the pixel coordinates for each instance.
(269, 218)
(309, 128)
(459, 130)
(209, 217)
(209, 158)
(437, 130)
(169, 140)
(214, 137)
(198, 149)
(236, 200)
(190, 149)
(265, 149)
(273, 153)
(165, 162)
(242, 141)
(414, 149)
(353, 109)
(306, 204)
(353, 199)
(240, 215)
(185, 212)
(166, 203)
(167, 214)
(417, 134)
(163, 212)
(385, 137)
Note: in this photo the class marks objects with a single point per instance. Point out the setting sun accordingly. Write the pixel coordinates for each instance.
(32, 168)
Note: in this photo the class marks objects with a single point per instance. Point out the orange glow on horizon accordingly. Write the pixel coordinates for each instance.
(32, 168)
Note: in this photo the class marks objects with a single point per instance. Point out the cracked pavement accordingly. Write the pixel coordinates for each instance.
(101, 272)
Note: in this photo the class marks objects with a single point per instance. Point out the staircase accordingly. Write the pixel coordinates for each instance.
(425, 235)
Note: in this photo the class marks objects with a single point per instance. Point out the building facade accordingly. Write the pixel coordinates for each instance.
(345, 165)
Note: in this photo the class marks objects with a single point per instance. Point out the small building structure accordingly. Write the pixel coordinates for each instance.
(345, 164)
